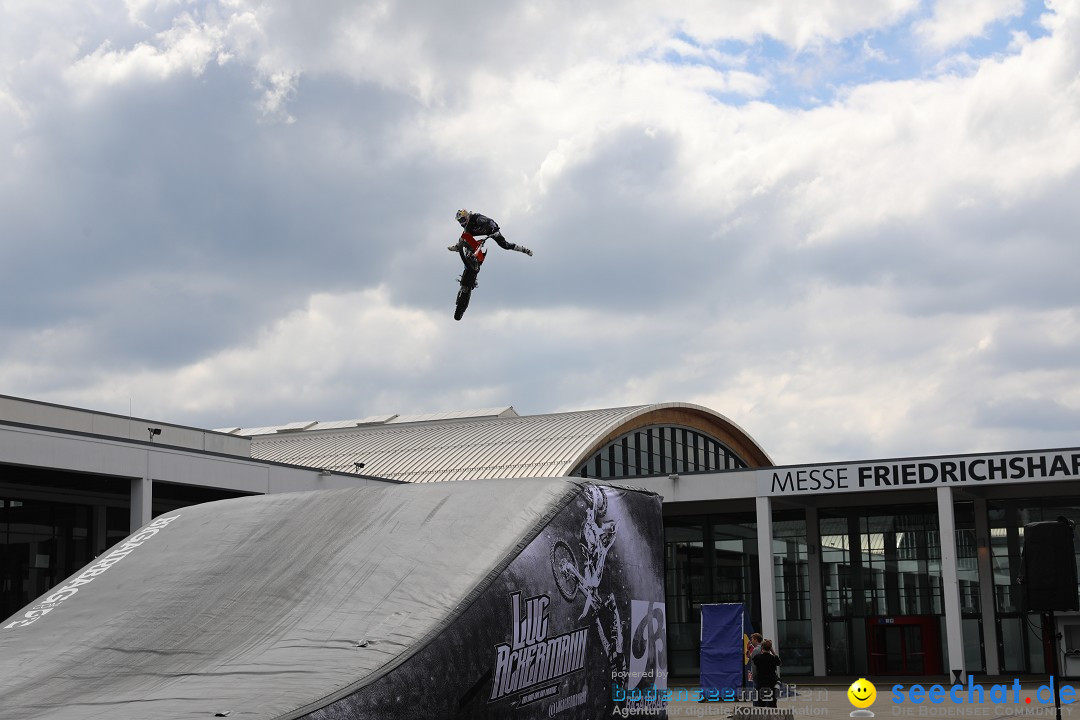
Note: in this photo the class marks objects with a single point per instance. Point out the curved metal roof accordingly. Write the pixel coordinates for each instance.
(508, 446)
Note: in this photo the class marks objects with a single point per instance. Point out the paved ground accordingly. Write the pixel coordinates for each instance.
(1000, 698)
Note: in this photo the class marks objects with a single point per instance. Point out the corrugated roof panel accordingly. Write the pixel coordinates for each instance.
(339, 424)
(265, 430)
(295, 427)
(454, 415)
(489, 442)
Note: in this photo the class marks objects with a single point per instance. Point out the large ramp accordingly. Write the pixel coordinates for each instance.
(517, 599)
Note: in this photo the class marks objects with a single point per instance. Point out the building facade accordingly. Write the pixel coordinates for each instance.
(74, 482)
(891, 567)
(884, 567)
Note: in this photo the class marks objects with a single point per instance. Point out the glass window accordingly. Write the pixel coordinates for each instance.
(900, 563)
(792, 588)
(1011, 631)
(734, 561)
(973, 650)
(838, 655)
(835, 565)
(1019, 634)
(709, 559)
(41, 543)
(791, 568)
(642, 454)
(684, 552)
(660, 450)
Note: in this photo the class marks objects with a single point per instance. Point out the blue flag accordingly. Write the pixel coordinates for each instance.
(725, 634)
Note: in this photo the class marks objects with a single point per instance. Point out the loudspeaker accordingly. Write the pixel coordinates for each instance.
(1048, 567)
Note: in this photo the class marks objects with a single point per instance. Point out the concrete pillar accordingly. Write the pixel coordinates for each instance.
(817, 595)
(951, 586)
(100, 535)
(987, 593)
(141, 499)
(766, 572)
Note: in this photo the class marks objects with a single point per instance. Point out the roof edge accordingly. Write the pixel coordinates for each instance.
(719, 426)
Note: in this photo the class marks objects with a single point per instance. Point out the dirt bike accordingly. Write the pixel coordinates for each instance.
(472, 255)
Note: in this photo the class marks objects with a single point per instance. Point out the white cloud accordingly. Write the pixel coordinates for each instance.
(193, 41)
(797, 24)
(188, 46)
(851, 280)
(278, 89)
(873, 54)
(10, 106)
(312, 355)
(954, 21)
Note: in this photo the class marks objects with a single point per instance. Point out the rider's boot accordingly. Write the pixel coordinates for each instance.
(452, 248)
(523, 249)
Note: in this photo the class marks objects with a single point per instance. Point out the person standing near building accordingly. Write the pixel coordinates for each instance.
(766, 664)
(753, 647)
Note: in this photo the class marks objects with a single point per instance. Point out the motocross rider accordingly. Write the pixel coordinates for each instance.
(476, 224)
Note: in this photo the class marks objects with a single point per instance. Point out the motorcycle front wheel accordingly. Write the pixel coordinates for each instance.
(463, 296)
(562, 560)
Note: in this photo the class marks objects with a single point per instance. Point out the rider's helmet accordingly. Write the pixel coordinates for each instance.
(462, 216)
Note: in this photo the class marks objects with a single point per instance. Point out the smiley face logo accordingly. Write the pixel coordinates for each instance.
(862, 693)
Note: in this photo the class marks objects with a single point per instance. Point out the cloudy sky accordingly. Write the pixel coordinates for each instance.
(850, 227)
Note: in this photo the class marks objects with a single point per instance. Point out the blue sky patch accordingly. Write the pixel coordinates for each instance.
(819, 73)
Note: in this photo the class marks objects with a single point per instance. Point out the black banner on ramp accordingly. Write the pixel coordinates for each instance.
(573, 627)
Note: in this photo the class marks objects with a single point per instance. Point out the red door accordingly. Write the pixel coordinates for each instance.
(904, 645)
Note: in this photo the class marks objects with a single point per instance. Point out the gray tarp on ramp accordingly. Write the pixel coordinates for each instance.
(328, 604)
